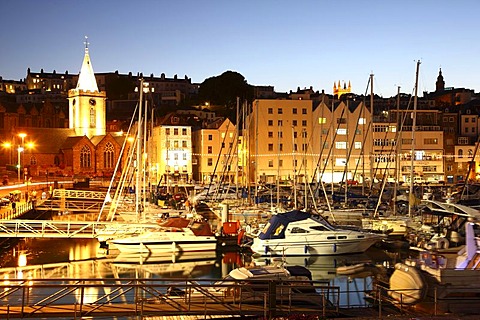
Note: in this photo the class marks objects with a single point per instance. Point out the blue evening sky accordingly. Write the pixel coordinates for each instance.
(286, 44)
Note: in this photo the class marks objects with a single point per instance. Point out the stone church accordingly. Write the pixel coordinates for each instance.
(82, 149)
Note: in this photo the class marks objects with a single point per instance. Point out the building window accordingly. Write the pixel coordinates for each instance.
(175, 131)
(92, 118)
(209, 162)
(270, 134)
(270, 123)
(304, 123)
(304, 110)
(280, 123)
(294, 123)
(270, 163)
(294, 110)
(460, 153)
(33, 160)
(341, 145)
(184, 131)
(280, 134)
(280, 147)
(280, 111)
(175, 156)
(358, 145)
(280, 162)
(341, 131)
(167, 131)
(341, 120)
(430, 141)
(270, 110)
(210, 137)
(270, 147)
(184, 144)
(322, 120)
(85, 157)
(108, 156)
(209, 150)
(184, 156)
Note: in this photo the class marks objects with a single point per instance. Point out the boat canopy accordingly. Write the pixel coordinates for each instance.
(277, 225)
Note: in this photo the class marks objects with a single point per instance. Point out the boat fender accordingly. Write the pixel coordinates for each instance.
(442, 243)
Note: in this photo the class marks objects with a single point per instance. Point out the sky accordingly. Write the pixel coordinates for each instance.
(284, 44)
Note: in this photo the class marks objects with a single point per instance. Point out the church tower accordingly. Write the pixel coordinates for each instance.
(338, 90)
(87, 114)
(440, 84)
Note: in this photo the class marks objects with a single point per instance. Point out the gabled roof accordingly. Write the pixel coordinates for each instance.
(47, 140)
(70, 142)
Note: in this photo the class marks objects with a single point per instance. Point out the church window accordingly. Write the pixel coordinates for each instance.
(85, 157)
(92, 118)
(108, 155)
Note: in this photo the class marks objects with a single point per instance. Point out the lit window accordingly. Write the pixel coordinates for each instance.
(85, 157)
(108, 156)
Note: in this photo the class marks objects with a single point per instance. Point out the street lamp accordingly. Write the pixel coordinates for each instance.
(8, 145)
(19, 163)
(20, 150)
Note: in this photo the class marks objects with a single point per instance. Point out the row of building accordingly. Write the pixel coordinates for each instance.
(61, 124)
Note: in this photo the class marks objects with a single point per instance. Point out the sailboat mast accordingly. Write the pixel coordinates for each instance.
(139, 153)
(414, 124)
(237, 129)
(397, 155)
(294, 169)
(371, 112)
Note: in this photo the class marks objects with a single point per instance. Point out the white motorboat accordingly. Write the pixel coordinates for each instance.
(447, 277)
(174, 235)
(253, 284)
(302, 233)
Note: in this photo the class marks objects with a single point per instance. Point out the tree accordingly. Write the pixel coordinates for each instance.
(223, 90)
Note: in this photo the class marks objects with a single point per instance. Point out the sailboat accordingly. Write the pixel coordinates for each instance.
(174, 234)
(396, 225)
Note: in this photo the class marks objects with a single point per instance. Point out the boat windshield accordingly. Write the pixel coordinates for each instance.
(322, 221)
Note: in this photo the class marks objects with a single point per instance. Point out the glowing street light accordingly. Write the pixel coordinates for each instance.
(20, 150)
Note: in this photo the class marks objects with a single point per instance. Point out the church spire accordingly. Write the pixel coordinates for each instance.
(440, 84)
(86, 78)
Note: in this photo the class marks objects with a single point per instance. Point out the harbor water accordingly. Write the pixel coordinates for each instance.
(70, 259)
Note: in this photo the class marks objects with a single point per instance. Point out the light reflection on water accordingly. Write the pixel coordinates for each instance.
(83, 259)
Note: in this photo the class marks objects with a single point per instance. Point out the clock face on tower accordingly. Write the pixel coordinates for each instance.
(93, 102)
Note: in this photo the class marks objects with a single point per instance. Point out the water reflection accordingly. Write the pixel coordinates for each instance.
(84, 260)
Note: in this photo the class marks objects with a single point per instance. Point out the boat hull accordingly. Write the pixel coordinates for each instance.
(173, 242)
(309, 247)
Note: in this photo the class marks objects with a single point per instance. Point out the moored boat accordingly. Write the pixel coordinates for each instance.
(174, 235)
(302, 233)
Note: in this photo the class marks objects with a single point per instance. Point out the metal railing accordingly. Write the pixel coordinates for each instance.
(27, 298)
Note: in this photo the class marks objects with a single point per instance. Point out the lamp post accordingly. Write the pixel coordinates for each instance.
(20, 150)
